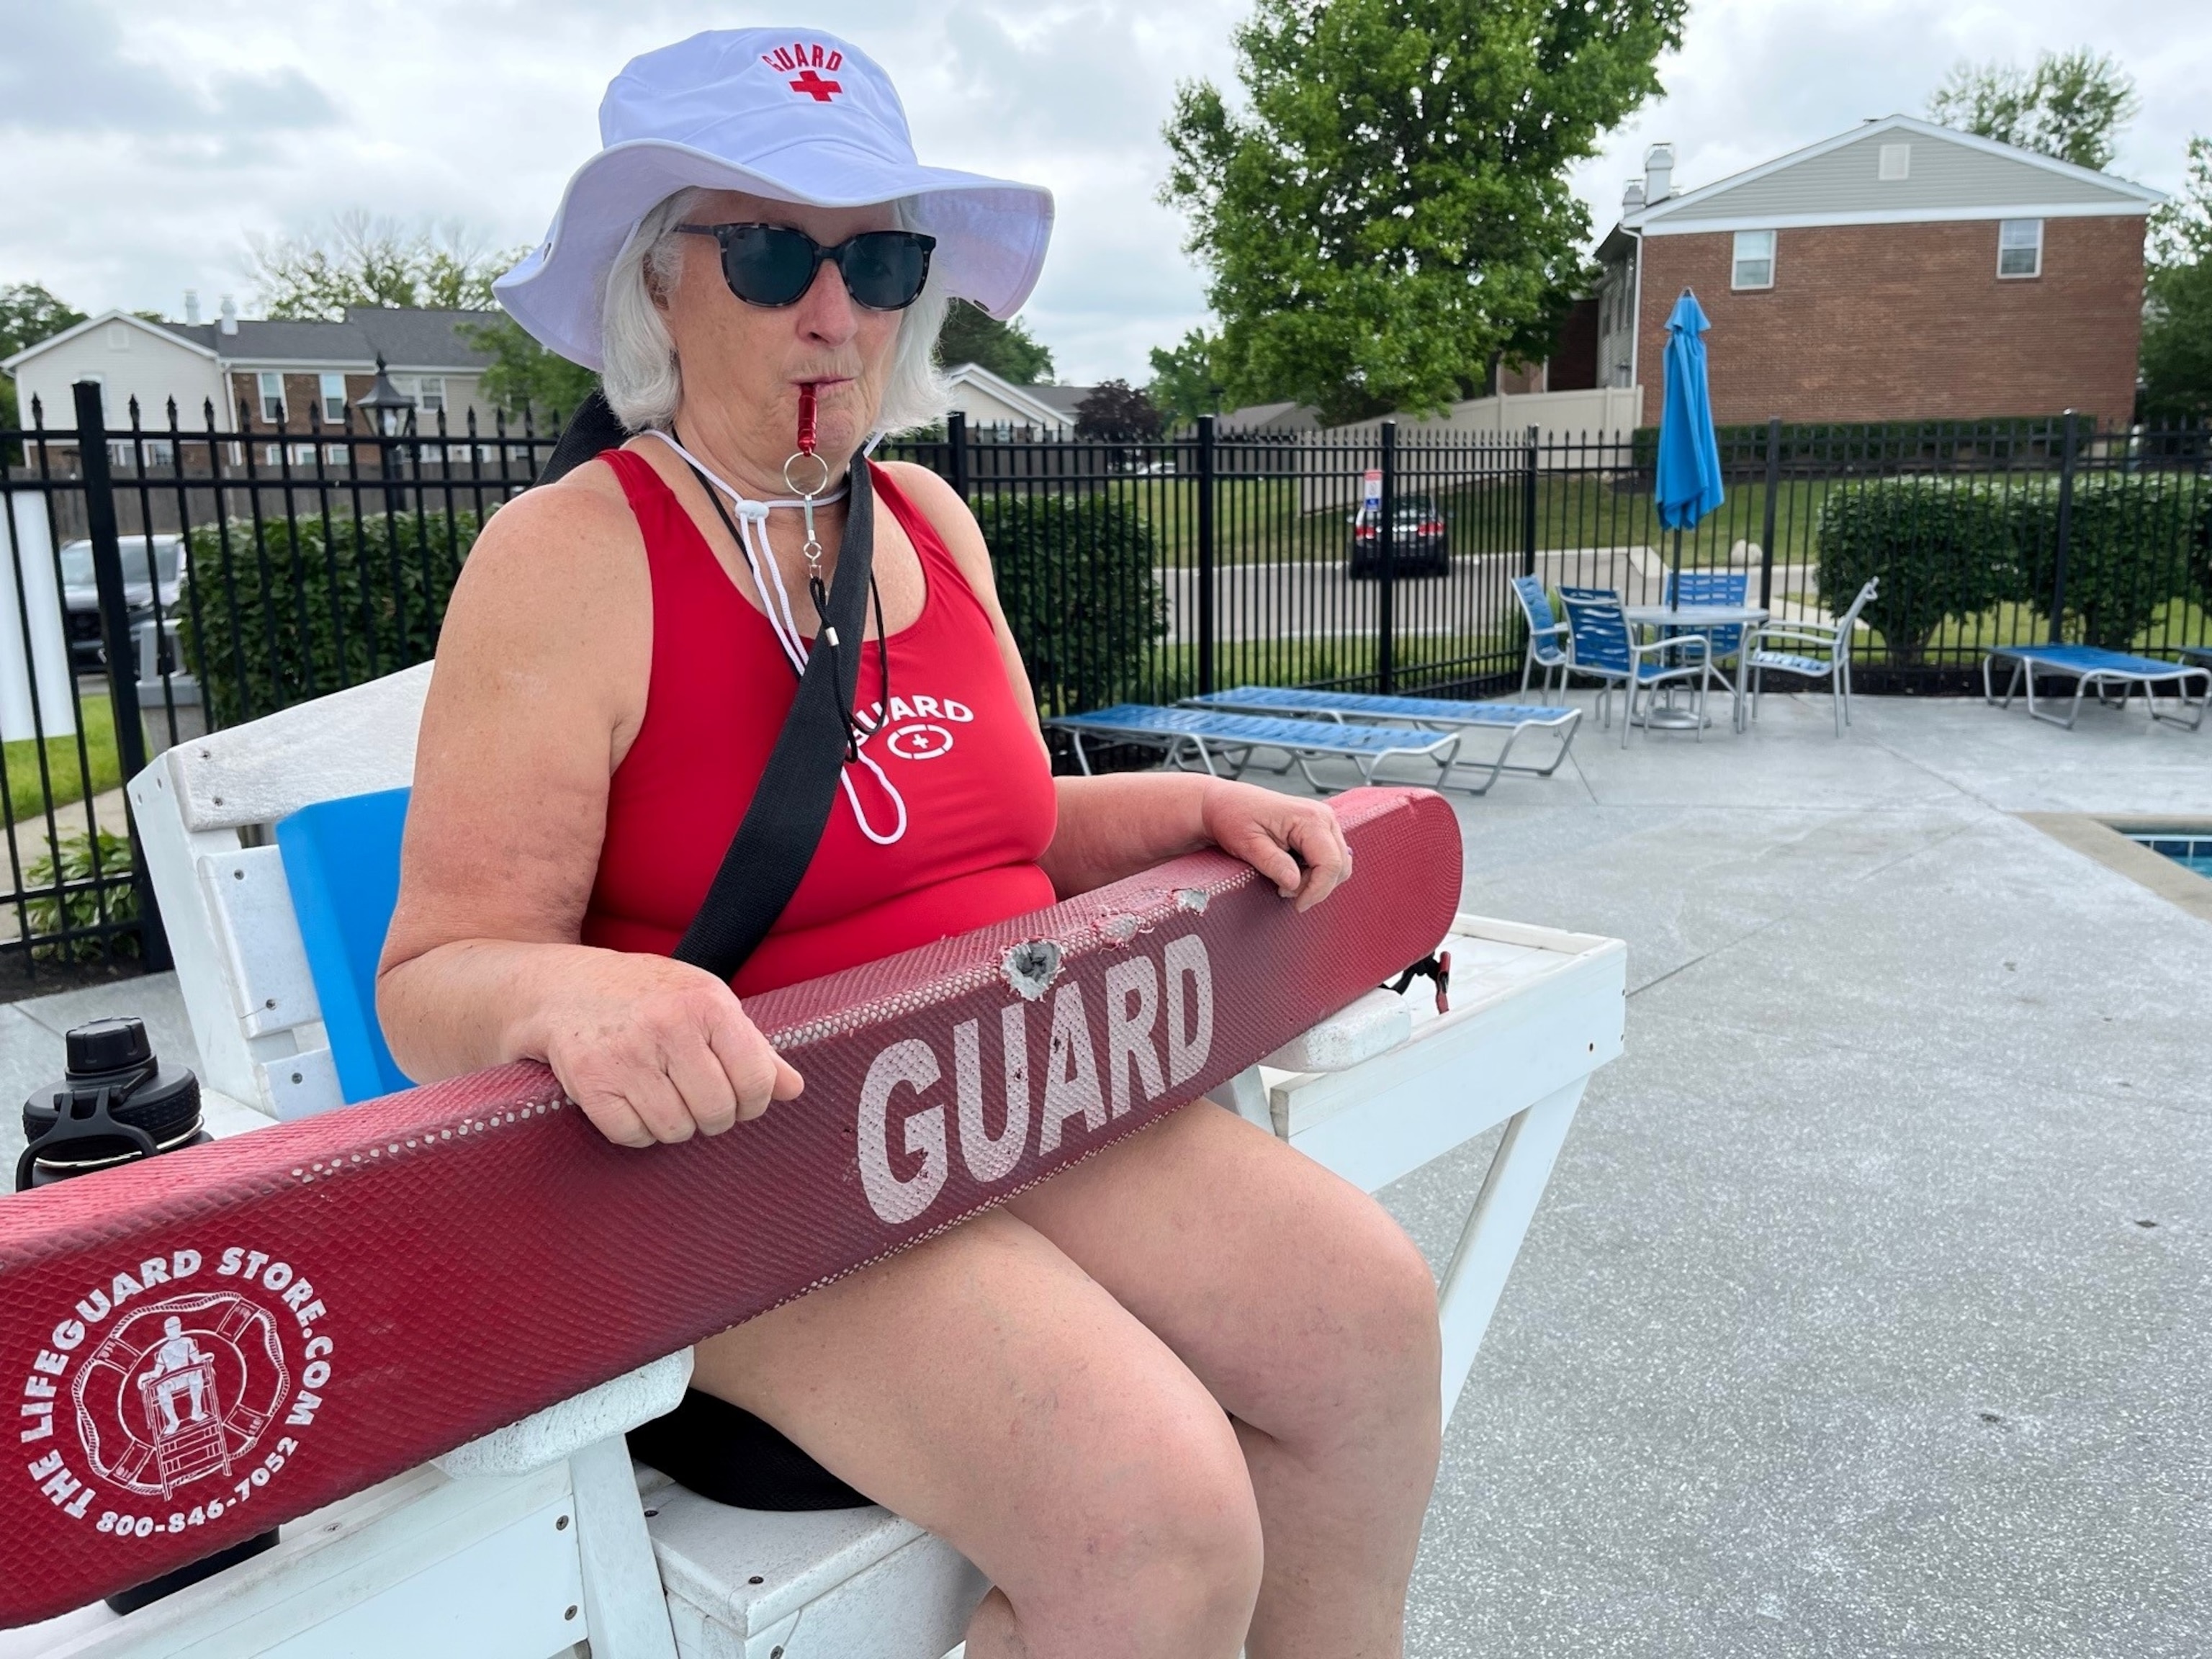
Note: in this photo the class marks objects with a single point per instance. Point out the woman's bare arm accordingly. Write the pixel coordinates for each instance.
(543, 664)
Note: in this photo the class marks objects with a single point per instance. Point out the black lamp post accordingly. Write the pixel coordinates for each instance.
(389, 410)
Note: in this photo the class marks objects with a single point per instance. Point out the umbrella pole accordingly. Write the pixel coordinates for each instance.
(1674, 588)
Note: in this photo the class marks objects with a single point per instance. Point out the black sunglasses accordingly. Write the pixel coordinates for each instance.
(774, 265)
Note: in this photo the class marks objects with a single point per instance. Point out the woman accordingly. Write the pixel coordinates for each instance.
(1180, 1398)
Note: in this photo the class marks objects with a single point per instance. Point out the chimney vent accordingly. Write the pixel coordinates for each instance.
(229, 323)
(1631, 199)
(1658, 174)
(191, 305)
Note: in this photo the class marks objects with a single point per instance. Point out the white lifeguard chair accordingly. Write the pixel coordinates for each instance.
(545, 1533)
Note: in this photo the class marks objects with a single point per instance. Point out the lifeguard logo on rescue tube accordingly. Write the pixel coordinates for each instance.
(920, 728)
(1153, 1030)
(151, 1408)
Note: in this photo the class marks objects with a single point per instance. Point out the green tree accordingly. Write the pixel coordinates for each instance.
(1392, 206)
(1008, 349)
(2177, 340)
(358, 260)
(1184, 386)
(28, 315)
(2071, 105)
(523, 375)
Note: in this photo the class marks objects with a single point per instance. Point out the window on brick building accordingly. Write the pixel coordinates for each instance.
(272, 397)
(2020, 247)
(334, 403)
(1754, 260)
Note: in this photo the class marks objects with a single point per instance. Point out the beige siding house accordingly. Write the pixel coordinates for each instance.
(278, 376)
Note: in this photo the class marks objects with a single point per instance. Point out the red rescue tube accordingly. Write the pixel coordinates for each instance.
(207, 1344)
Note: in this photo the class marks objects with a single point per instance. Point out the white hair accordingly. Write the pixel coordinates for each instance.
(644, 381)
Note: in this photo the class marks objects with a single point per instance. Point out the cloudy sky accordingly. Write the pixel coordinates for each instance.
(142, 145)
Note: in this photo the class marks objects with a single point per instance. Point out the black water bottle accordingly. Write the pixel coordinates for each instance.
(117, 1103)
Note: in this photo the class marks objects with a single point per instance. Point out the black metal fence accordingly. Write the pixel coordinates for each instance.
(161, 580)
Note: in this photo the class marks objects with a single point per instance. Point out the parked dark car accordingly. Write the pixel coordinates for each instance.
(146, 560)
(1424, 539)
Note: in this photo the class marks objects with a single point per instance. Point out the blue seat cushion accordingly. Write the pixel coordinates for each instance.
(342, 863)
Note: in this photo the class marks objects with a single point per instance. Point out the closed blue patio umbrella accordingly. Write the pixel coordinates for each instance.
(1688, 483)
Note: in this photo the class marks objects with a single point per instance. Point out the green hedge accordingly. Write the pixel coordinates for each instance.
(282, 612)
(1077, 579)
(1940, 548)
(2131, 541)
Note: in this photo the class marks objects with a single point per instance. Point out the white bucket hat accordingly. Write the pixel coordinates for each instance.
(795, 115)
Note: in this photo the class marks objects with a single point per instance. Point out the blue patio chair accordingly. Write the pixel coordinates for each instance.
(1546, 632)
(1789, 649)
(1607, 652)
(1711, 587)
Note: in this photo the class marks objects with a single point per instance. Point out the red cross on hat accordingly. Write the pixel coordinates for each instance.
(820, 90)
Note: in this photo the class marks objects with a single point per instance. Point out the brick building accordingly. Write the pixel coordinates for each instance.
(1897, 271)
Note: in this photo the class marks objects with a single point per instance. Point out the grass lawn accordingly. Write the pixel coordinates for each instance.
(1259, 520)
(28, 793)
(1171, 672)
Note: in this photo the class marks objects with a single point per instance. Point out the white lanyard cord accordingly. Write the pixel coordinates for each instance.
(752, 526)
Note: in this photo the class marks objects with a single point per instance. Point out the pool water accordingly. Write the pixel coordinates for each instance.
(2190, 851)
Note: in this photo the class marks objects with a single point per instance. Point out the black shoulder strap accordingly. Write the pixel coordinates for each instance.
(592, 427)
(791, 807)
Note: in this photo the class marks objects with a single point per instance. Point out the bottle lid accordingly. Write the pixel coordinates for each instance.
(107, 1045)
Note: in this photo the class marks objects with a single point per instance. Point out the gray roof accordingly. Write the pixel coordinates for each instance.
(1946, 175)
(406, 339)
(1269, 417)
(1063, 399)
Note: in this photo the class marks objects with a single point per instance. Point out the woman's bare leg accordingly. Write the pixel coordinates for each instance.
(1312, 1318)
(986, 1387)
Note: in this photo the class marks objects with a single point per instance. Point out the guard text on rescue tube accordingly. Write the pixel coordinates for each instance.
(1157, 1031)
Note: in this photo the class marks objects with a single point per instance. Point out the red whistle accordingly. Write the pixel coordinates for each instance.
(807, 417)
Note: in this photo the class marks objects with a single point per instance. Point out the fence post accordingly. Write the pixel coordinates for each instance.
(1528, 506)
(121, 654)
(1386, 609)
(955, 436)
(1206, 470)
(1766, 529)
(2065, 532)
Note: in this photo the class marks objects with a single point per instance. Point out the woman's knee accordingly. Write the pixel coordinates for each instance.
(1379, 1364)
(1161, 1541)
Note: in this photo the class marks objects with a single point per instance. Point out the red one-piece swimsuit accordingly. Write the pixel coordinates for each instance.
(955, 743)
(980, 810)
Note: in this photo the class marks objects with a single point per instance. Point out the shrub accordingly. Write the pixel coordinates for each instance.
(290, 608)
(1077, 579)
(71, 900)
(2130, 542)
(1940, 549)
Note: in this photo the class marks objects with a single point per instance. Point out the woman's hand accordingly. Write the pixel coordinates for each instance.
(1293, 842)
(655, 1049)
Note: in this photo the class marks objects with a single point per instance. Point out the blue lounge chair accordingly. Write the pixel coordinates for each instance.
(1233, 739)
(2093, 667)
(1443, 714)
(1546, 632)
(1607, 652)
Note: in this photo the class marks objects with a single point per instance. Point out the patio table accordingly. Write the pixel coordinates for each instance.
(1696, 619)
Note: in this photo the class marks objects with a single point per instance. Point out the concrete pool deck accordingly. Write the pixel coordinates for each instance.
(1841, 1329)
